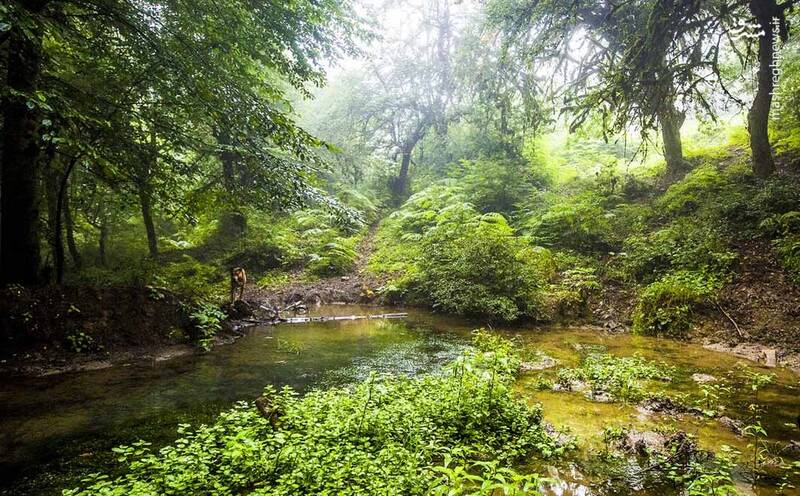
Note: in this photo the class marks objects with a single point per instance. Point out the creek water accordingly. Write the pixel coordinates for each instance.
(56, 429)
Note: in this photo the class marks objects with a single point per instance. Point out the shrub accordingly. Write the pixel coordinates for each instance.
(385, 436)
(335, 258)
(480, 268)
(207, 320)
(578, 223)
(495, 185)
(570, 295)
(190, 277)
(683, 245)
(666, 306)
(786, 231)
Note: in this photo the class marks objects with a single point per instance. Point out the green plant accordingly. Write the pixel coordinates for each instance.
(80, 342)
(666, 306)
(711, 396)
(682, 245)
(480, 268)
(619, 376)
(387, 435)
(577, 223)
(207, 319)
(335, 258)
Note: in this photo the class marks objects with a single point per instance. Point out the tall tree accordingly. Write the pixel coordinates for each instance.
(771, 17)
(641, 63)
(104, 64)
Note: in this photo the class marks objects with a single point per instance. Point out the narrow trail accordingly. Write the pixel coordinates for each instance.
(357, 286)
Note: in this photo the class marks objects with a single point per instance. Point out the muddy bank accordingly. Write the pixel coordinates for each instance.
(51, 329)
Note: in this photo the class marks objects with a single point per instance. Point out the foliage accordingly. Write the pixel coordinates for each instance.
(682, 245)
(577, 223)
(666, 307)
(479, 267)
(619, 376)
(80, 342)
(387, 435)
(336, 258)
(785, 230)
(207, 319)
(495, 185)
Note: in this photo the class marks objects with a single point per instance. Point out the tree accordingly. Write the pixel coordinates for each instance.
(771, 17)
(409, 91)
(637, 63)
(138, 83)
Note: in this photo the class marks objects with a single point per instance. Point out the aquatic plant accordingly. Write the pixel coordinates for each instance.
(459, 432)
(619, 376)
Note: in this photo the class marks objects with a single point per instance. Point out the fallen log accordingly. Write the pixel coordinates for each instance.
(331, 318)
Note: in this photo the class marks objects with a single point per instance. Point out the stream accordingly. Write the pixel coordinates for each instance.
(56, 429)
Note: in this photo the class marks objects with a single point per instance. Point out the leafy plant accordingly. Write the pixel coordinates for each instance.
(80, 342)
(207, 319)
(619, 376)
(666, 306)
(458, 432)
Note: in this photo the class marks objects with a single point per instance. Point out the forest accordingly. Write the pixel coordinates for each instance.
(400, 247)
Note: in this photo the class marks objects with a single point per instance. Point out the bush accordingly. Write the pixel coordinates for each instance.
(385, 436)
(786, 231)
(666, 307)
(480, 268)
(495, 185)
(335, 258)
(577, 223)
(683, 245)
(207, 320)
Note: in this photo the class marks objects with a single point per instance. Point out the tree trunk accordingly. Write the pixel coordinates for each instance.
(400, 184)
(50, 182)
(147, 217)
(670, 120)
(102, 241)
(758, 116)
(69, 226)
(227, 158)
(20, 256)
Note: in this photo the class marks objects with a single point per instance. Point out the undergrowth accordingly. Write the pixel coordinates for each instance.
(458, 432)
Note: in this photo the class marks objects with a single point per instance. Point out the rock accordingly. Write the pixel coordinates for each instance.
(733, 425)
(600, 396)
(771, 358)
(577, 386)
(560, 438)
(239, 309)
(269, 411)
(703, 378)
(643, 443)
(345, 278)
(543, 363)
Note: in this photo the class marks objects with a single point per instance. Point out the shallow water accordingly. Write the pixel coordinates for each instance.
(56, 429)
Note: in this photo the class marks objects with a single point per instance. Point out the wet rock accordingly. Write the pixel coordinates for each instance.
(643, 443)
(600, 396)
(239, 309)
(561, 438)
(661, 404)
(703, 378)
(543, 363)
(577, 386)
(792, 449)
(733, 425)
(268, 410)
(757, 353)
(771, 358)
